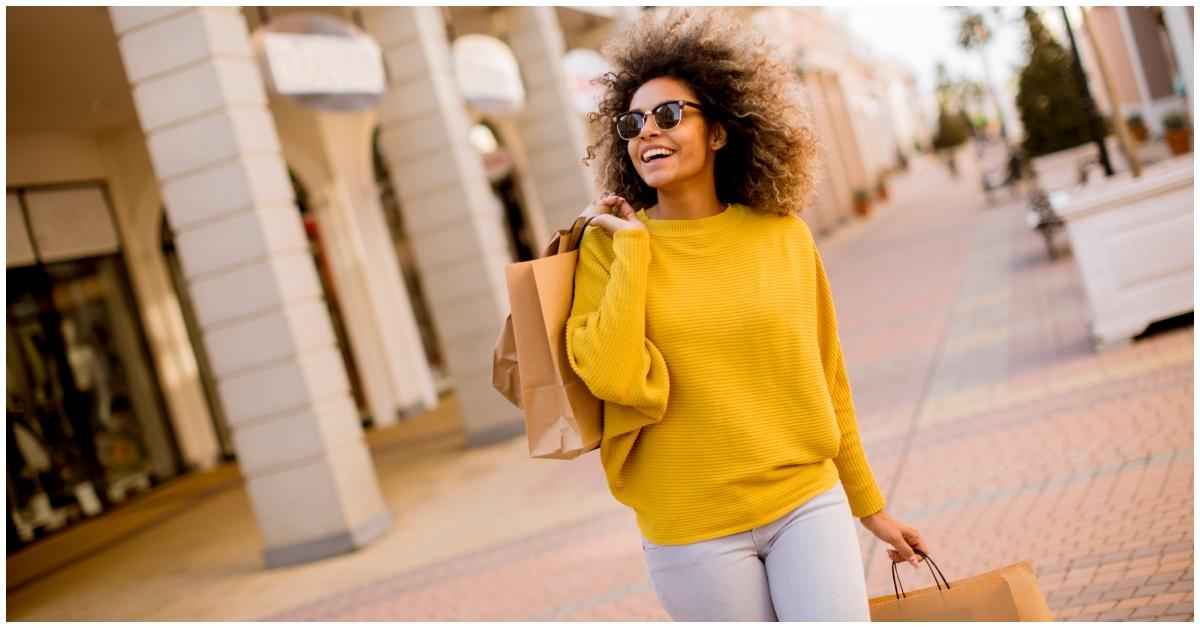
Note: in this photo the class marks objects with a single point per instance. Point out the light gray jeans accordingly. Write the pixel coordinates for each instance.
(804, 566)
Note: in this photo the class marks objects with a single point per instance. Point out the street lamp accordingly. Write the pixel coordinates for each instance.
(1095, 125)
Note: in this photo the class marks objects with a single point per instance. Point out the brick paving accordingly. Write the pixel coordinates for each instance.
(992, 425)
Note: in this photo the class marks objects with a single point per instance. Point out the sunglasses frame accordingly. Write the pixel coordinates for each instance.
(642, 115)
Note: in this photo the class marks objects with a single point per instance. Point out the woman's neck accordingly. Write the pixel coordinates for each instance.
(686, 205)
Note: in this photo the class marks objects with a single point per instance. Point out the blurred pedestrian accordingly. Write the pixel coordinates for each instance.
(951, 165)
(1015, 172)
(704, 321)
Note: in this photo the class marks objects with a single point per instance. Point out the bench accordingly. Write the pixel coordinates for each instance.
(1041, 217)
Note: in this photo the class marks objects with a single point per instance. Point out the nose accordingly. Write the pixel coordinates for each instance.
(648, 123)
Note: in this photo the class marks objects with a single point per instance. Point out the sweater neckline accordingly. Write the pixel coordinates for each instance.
(683, 227)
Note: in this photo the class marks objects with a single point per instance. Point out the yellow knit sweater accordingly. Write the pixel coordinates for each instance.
(713, 344)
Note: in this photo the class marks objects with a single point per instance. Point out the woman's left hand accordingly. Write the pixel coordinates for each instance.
(902, 537)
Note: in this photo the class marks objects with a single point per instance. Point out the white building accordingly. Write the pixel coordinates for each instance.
(201, 268)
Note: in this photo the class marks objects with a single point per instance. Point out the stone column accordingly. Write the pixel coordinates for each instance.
(137, 208)
(333, 157)
(844, 133)
(553, 134)
(1179, 31)
(450, 213)
(393, 365)
(215, 153)
(834, 200)
(1139, 72)
(837, 149)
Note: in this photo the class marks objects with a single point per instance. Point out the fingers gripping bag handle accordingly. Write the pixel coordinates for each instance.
(899, 589)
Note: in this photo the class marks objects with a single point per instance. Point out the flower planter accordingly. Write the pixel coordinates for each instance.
(862, 202)
(1059, 170)
(1132, 242)
(1139, 132)
(1179, 140)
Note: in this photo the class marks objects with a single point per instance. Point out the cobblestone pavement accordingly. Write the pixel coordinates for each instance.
(992, 425)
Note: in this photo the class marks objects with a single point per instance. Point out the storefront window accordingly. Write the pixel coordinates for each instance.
(87, 428)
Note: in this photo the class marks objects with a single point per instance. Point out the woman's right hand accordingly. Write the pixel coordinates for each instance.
(610, 222)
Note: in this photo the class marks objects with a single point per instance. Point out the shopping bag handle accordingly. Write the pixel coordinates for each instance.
(567, 240)
(576, 235)
(899, 589)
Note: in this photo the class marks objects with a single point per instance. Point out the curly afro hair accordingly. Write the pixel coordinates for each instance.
(771, 159)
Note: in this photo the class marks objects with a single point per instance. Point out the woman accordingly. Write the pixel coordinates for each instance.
(705, 323)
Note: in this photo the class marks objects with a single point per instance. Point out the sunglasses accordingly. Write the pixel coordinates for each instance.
(666, 116)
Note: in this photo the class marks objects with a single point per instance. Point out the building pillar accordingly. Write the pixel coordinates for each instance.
(553, 134)
(212, 142)
(450, 212)
(831, 201)
(391, 363)
(1139, 72)
(842, 146)
(1179, 31)
(137, 209)
(332, 156)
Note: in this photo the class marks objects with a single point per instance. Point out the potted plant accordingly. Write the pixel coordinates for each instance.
(881, 191)
(1137, 126)
(1178, 135)
(862, 202)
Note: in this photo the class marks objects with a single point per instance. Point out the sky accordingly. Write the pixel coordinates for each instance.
(922, 36)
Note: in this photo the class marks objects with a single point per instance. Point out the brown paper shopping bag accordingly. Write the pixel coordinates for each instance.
(529, 364)
(1007, 594)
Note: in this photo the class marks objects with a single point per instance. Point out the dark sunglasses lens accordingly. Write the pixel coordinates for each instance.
(629, 125)
(667, 115)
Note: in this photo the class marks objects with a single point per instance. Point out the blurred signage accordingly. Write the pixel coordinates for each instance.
(320, 61)
(583, 66)
(59, 224)
(308, 64)
(487, 75)
(19, 246)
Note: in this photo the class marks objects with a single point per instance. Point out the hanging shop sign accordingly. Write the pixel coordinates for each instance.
(19, 245)
(59, 224)
(583, 66)
(487, 75)
(320, 61)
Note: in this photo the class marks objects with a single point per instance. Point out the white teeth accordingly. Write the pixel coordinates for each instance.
(656, 151)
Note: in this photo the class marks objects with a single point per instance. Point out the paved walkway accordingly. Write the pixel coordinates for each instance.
(990, 422)
(995, 427)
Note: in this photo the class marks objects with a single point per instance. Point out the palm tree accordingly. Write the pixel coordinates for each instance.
(974, 34)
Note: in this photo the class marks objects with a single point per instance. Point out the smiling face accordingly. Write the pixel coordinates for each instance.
(690, 144)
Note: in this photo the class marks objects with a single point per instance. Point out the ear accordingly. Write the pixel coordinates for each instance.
(717, 137)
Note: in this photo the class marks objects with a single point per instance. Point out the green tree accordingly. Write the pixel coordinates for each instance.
(953, 125)
(1048, 97)
(952, 129)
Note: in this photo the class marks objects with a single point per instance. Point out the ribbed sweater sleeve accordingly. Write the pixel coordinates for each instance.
(861, 490)
(606, 331)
